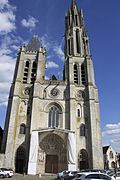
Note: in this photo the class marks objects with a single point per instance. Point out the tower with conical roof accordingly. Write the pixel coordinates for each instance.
(53, 125)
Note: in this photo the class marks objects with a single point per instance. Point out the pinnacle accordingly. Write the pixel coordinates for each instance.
(73, 3)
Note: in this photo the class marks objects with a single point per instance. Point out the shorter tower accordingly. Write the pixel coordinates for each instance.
(16, 139)
(53, 125)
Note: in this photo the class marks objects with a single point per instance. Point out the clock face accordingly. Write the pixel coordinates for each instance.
(54, 92)
(27, 91)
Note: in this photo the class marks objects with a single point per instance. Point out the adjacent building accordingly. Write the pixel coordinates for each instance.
(53, 125)
(1, 136)
(111, 158)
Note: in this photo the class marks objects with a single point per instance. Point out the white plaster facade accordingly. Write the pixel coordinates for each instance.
(110, 158)
(48, 111)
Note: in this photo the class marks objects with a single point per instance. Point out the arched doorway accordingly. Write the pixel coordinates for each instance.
(83, 159)
(51, 164)
(55, 153)
(113, 165)
(20, 160)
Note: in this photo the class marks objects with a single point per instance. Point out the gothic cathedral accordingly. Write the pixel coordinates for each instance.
(53, 125)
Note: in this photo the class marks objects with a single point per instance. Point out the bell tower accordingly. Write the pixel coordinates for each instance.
(30, 68)
(83, 93)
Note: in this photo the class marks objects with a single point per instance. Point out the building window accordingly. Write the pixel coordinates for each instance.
(33, 72)
(82, 130)
(22, 129)
(75, 73)
(111, 155)
(83, 161)
(78, 112)
(26, 70)
(113, 164)
(69, 47)
(78, 41)
(28, 110)
(83, 77)
(76, 20)
(54, 117)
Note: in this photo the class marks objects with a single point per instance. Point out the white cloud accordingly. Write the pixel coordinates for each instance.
(51, 64)
(46, 42)
(7, 17)
(3, 3)
(15, 47)
(113, 126)
(47, 78)
(30, 23)
(6, 75)
(111, 135)
(50, 56)
(52, 47)
(4, 91)
(9, 43)
(7, 64)
(58, 50)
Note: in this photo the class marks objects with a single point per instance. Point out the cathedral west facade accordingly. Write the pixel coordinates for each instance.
(53, 125)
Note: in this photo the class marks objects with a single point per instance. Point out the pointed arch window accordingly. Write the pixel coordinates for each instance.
(22, 129)
(78, 41)
(111, 155)
(76, 20)
(75, 73)
(33, 72)
(82, 130)
(54, 117)
(26, 70)
(83, 157)
(79, 111)
(69, 46)
(28, 110)
(83, 76)
(20, 159)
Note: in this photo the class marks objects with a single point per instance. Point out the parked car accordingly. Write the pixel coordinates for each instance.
(93, 175)
(70, 175)
(8, 172)
(2, 174)
(61, 174)
(117, 176)
(93, 170)
(110, 172)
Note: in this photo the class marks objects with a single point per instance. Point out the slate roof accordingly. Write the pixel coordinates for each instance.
(105, 148)
(34, 44)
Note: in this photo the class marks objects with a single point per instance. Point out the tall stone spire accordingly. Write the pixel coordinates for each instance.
(81, 18)
(73, 3)
(73, 6)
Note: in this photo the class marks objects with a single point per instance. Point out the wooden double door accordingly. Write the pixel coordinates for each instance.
(51, 165)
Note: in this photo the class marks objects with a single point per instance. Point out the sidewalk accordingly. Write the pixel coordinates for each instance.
(30, 177)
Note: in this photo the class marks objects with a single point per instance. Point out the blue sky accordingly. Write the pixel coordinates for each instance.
(20, 20)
